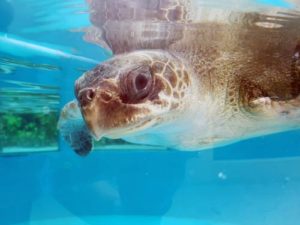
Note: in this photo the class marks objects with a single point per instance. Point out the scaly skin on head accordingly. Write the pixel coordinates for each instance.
(133, 92)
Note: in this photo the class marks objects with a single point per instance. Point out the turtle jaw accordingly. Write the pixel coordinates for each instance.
(121, 126)
(112, 118)
(130, 129)
(90, 117)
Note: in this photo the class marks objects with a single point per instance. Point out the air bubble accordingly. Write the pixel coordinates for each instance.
(222, 176)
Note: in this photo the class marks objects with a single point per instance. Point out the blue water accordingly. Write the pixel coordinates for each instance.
(258, 185)
(254, 182)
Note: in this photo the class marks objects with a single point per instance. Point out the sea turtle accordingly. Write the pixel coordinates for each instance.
(186, 76)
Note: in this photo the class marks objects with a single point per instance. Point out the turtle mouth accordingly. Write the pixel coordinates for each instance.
(130, 130)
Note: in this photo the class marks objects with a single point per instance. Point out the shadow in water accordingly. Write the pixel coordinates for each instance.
(118, 182)
(63, 185)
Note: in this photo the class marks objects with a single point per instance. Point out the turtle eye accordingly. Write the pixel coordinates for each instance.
(137, 85)
(141, 82)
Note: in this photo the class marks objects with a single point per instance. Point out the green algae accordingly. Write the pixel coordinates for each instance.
(28, 129)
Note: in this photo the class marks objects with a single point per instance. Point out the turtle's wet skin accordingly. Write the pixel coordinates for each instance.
(182, 81)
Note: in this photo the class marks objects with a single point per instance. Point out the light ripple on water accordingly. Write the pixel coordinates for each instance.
(9, 65)
(26, 97)
(32, 85)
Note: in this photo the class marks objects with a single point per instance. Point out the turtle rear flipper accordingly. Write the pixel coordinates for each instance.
(74, 130)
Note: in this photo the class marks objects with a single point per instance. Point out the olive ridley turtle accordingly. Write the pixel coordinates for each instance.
(186, 76)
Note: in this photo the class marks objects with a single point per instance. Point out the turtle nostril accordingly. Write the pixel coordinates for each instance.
(86, 96)
(90, 94)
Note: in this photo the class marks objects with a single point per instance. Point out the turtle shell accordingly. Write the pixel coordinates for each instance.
(127, 25)
(229, 49)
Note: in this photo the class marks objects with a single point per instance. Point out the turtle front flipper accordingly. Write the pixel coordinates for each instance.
(74, 130)
(296, 72)
(285, 109)
(288, 107)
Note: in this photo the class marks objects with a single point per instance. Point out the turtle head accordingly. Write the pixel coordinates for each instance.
(133, 93)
